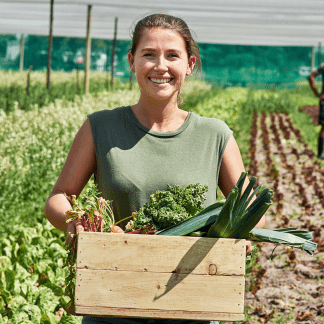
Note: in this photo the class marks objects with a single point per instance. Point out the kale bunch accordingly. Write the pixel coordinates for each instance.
(169, 207)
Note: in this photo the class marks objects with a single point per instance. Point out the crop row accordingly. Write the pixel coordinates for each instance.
(17, 95)
(307, 177)
(284, 285)
(34, 146)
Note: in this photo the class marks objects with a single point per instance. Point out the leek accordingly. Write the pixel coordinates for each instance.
(288, 237)
(237, 218)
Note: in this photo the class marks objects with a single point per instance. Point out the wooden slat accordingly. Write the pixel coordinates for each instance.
(150, 290)
(161, 253)
(151, 313)
(150, 276)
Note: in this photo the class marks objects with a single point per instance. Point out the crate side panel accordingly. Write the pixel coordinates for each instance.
(161, 253)
(149, 290)
(162, 314)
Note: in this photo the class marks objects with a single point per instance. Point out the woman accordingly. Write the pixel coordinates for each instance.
(136, 150)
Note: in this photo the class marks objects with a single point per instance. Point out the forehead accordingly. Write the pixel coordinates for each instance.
(158, 36)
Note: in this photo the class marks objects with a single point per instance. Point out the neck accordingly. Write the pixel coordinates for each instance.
(159, 115)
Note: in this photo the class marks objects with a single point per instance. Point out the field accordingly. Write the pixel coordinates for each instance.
(26, 91)
(277, 141)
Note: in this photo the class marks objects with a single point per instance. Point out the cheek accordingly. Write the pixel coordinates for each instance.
(143, 67)
(175, 68)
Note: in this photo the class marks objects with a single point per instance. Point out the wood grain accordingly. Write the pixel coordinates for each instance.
(160, 253)
(129, 289)
(151, 276)
(151, 313)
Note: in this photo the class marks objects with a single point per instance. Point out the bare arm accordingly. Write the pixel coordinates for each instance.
(311, 80)
(231, 168)
(76, 172)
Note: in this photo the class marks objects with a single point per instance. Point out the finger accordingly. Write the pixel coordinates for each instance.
(116, 229)
(68, 238)
(78, 226)
(70, 230)
(248, 248)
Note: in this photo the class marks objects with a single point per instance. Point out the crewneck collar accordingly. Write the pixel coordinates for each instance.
(154, 132)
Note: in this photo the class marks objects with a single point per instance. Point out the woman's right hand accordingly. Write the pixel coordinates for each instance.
(76, 227)
(73, 227)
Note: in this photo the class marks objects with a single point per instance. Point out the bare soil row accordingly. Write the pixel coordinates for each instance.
(287, 285)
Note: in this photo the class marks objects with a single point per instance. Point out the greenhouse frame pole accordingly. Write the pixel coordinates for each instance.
(113, 54)
(319, 54)
(313, 59)
(22, 50)
(88, 52)
(50, 46)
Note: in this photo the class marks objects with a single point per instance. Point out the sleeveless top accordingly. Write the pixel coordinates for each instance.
(134, 161)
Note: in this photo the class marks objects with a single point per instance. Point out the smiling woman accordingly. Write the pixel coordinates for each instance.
(161, 63)
(137, 150)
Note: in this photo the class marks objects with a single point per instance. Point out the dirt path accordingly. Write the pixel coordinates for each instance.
(287, 285)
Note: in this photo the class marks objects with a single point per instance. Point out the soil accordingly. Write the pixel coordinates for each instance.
(313, 112)
(286, 285)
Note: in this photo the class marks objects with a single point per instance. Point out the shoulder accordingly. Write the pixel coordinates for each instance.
(320, 70)
(111, 117)
(107, 113)
(210, 124)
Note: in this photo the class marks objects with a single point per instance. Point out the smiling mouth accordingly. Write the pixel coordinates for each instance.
(160, 81)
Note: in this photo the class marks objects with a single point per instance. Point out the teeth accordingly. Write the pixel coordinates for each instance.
(160, 80)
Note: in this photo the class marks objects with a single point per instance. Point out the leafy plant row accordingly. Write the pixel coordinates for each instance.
(34, 146)
(21, 95)
(32, 278)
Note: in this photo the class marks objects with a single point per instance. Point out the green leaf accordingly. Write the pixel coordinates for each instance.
(10, 277)
(246, 198)
(224, 221)
(16, 302)
(47, 301)
(68, 319)
(239, 186)
(205, 218)
(5, 263)
(33, 312)
(49, 318)
(265, 235)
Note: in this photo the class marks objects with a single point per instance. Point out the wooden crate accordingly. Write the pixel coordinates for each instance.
(153, 276)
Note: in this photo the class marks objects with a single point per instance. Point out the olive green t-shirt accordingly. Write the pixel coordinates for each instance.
(134, 161)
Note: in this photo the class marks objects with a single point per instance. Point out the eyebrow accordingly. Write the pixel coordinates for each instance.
(153, 50)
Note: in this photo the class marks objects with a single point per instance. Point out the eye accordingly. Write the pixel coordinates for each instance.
(148, 55)
(174, 55)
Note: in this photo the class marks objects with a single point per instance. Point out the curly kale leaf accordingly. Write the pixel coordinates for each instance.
(170, 207)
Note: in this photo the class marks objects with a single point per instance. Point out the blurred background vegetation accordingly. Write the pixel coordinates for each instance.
(223, 65)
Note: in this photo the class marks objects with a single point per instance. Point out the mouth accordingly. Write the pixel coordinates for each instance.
(160, 81)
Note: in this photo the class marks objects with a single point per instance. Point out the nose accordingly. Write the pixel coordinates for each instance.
(161, 64)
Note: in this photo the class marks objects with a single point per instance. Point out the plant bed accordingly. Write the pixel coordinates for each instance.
(312, 111)
(153, 276)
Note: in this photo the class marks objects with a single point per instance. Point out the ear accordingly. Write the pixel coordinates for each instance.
(131, 62)
(191, 64)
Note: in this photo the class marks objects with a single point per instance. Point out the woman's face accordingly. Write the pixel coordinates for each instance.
(161, 63)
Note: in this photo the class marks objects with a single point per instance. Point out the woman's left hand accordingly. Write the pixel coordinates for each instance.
(248, 247)
(116, 229)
